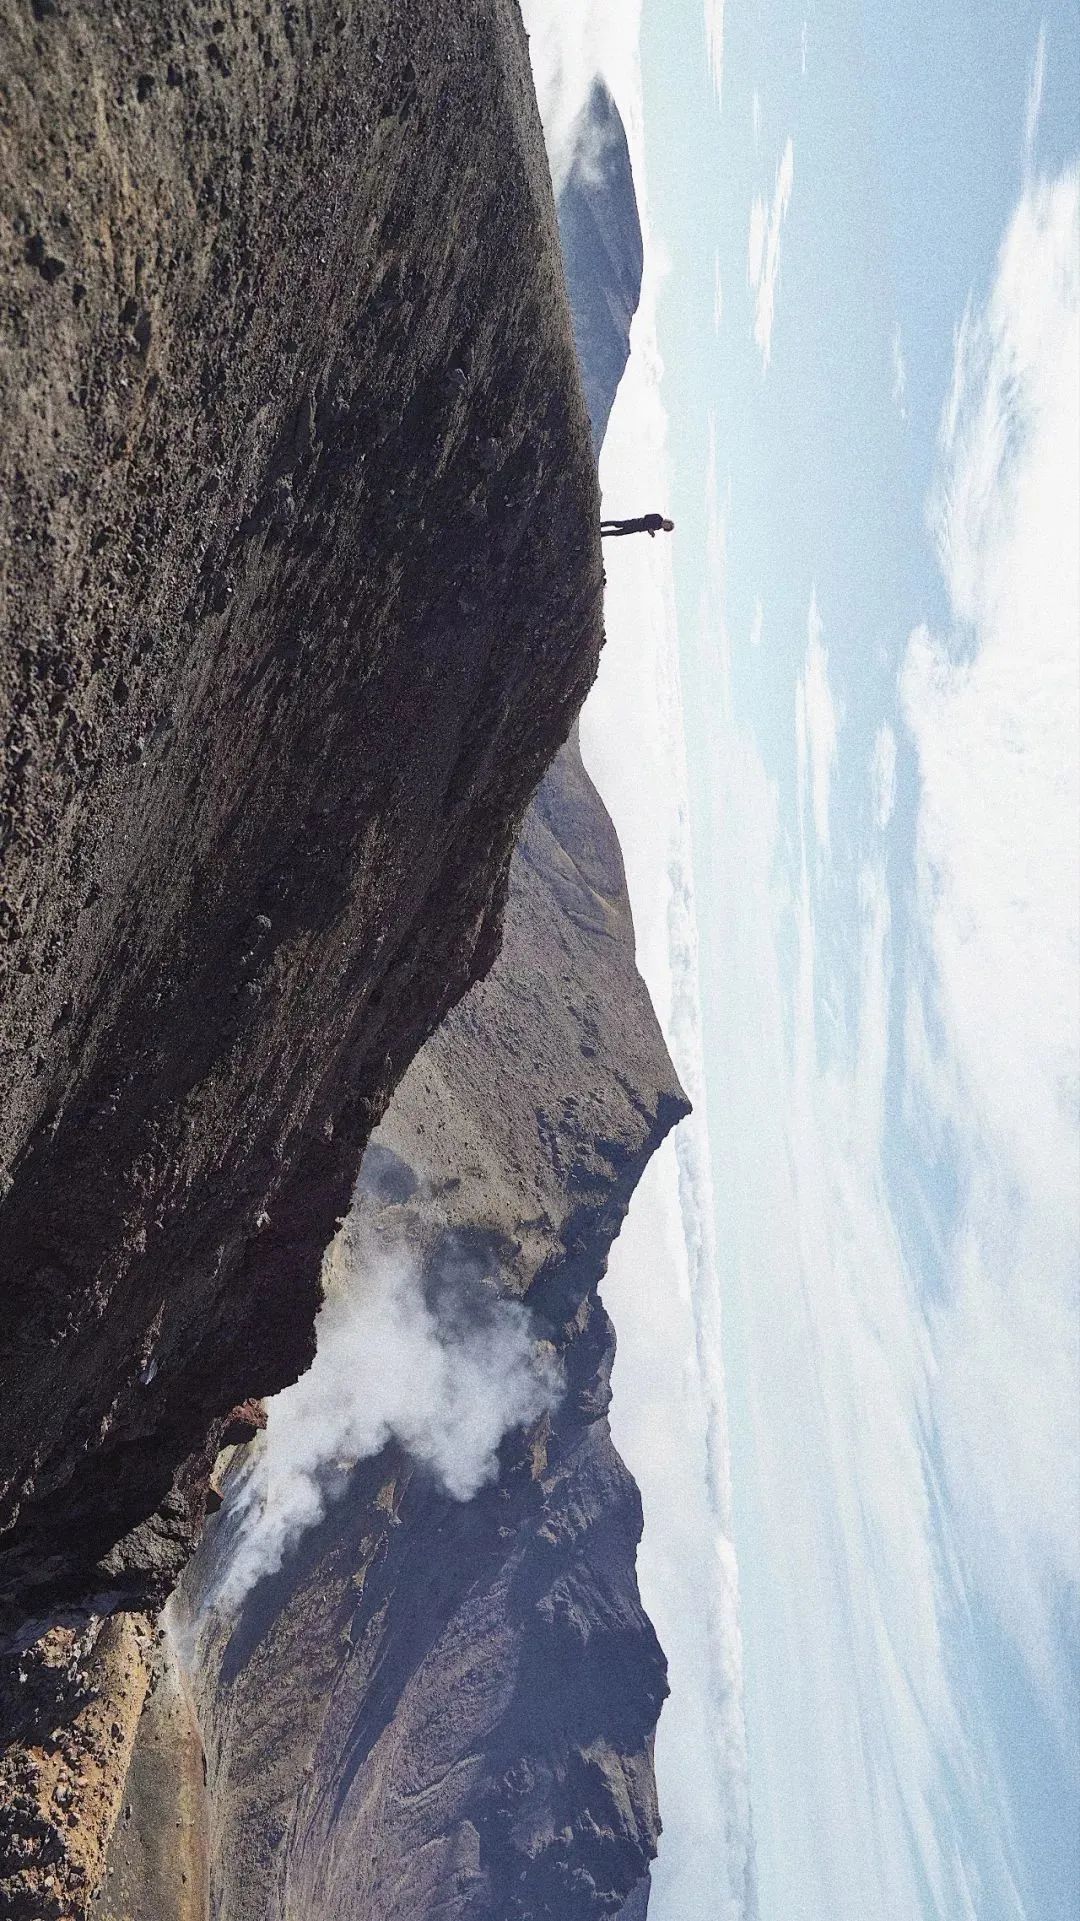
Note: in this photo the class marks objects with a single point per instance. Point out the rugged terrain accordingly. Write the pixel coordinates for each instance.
(300, 591)
(446, 1708)
(439, 1709)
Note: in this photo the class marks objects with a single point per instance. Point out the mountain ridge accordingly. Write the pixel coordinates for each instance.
(508, 1769)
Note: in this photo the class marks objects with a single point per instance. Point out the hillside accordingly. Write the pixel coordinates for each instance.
(300, 593)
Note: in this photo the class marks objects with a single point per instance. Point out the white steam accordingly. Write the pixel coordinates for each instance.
(446, 1371)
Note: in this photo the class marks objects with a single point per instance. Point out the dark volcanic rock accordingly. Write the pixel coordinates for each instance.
(445, 1710)
(290, 627)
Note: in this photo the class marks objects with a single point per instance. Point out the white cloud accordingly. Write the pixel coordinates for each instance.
(804, 38)
(884, 775)
(714, 40)
(816, 727)
(570, 47)
(843, 1650)
(1033, 107)
(755, 252)
(864, 1775)
(899, 375)
(994, 711)
(906, 1434)
(718, 296)
(763, 260)
(755, 117)
(757, 622)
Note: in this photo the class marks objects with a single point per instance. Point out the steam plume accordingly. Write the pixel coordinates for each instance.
(443, 1366)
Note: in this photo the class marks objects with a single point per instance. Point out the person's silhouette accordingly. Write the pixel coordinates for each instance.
(651, 524)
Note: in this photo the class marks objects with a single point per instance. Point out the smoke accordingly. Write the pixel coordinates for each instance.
(439, 1363)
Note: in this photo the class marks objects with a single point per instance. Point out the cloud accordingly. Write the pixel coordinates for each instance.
(904, 1371)
(570, 48)
(899, 375)
(718, 296)
(865, 1778)
(443, 1366)
(714, 40)
(757, 622)
(994, 713)
(884, 775)
(1033, 107)
(816, 727)
(763, 264)
(755, 117)
(804, 38)
(759, 223)
(814, 1326)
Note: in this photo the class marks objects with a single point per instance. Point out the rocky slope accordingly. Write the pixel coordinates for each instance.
(300, 590)
(439, 1709)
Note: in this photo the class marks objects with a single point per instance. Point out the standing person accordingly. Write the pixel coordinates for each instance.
(651, 524)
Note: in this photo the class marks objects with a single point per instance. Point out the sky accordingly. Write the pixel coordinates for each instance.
(838, 727)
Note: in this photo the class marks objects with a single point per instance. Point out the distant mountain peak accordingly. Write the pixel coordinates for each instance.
(602, 248)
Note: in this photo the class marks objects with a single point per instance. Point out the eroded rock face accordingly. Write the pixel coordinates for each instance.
(438, 1709)
(300, 592)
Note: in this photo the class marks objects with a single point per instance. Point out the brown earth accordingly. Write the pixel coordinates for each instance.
(157, 1868)
(80, 1686)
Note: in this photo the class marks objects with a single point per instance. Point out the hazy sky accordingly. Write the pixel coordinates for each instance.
(838, 724)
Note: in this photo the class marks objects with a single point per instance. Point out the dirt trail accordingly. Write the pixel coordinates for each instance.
(300, 592)
(158, 1864)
